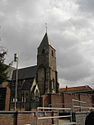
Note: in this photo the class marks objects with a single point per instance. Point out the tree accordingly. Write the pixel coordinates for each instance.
(3, 67)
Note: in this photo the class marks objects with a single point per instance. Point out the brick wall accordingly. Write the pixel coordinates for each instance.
(7, 118)
(53, 100)
(7, 100)
(57, 100)
(65, 99)
(46, 100)
(68, 99)
(86, 98)
(23, 118)
(4, 98)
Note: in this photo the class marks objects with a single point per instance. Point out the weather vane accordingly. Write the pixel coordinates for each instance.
(46, 27)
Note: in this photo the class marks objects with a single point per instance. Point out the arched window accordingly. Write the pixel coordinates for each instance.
(52, 53)
(53, 84)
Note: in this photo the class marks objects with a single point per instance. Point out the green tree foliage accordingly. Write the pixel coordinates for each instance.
(3, 67)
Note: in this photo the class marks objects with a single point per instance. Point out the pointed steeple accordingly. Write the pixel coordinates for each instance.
(46, 62)
(45, 40)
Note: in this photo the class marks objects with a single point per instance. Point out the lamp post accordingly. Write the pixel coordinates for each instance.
(16, 83)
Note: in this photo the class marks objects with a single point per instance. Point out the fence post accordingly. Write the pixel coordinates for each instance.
(58, 119)
(37, 117)
(72, 106)
(71, 115)
(15, 117)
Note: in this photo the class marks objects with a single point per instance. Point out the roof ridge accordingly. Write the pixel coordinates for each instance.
(27, 67)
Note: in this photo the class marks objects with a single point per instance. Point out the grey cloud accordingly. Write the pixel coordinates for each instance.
(86, 6)
(80, 23)
(76, 73)
(24, 42)
(69, 58)
(23, 27)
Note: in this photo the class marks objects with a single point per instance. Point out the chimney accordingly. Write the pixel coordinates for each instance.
(66, 87)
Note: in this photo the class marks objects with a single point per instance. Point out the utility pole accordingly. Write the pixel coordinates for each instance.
(16, 83)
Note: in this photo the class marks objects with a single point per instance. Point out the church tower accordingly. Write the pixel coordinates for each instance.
(47, 77)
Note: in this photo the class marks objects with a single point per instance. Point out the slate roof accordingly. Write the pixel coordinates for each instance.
(45, 40)
(25, 73)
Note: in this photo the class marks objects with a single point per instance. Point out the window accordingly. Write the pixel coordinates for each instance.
(23, 99)
(43, 51)
(13, 100)
(52, 53)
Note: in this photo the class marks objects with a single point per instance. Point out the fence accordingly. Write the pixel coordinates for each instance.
(57, 116)
(80, 106)
(81, 109)
(47, 115)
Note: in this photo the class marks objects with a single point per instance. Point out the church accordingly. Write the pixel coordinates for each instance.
(35, 81)
(38, 85)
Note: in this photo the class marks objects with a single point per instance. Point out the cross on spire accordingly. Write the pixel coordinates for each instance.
(46, 27)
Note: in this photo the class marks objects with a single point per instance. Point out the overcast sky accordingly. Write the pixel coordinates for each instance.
(70, 30)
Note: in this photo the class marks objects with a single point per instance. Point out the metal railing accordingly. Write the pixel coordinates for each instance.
(76, 106)
(80, 106)
(54, 110)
